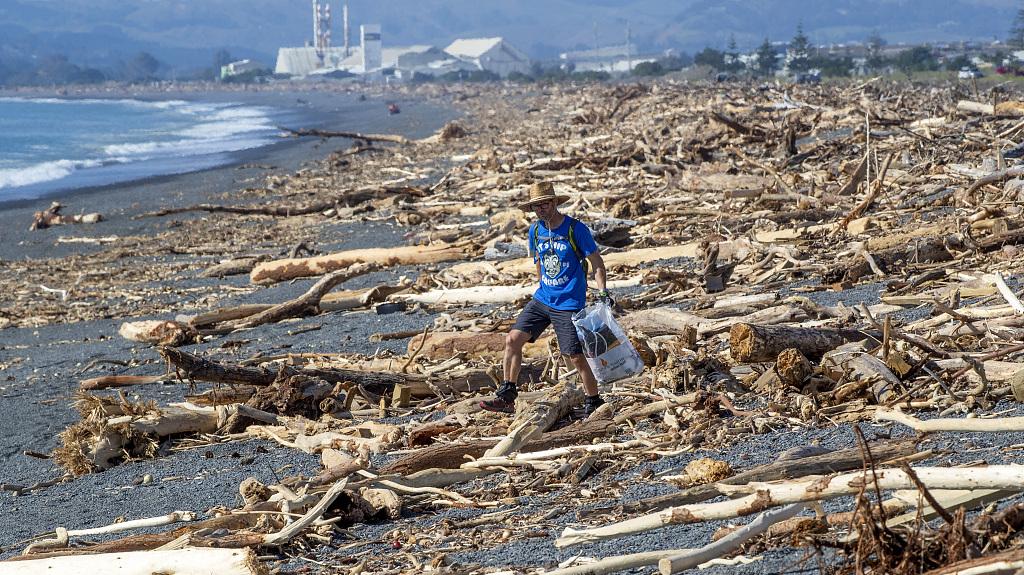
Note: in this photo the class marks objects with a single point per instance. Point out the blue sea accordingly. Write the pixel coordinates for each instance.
(52, 144)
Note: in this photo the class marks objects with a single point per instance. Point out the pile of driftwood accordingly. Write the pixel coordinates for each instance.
(734, 222)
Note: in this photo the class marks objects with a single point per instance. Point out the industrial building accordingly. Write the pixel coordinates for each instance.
(490, 54)
(371, 57)
(612, 59)
(239, 67)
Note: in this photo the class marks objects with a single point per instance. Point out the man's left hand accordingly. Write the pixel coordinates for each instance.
(605, 297)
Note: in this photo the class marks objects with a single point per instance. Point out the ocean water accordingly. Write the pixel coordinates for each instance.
(52, 144)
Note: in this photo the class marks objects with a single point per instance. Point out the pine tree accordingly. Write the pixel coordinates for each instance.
(732, 56)
(766, 59)
(875, 43)
(1016, 38)
(798, 57)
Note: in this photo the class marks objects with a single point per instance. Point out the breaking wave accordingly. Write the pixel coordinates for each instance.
(147, 130)
(43, 172)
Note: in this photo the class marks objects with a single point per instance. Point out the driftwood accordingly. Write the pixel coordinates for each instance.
(190, 561)
(348, 198)
(836, 462)
(762, 496)
(287, 269)
(63, 536)
(729, 543)
(233, 267)
(108, 381)
(377, 382)
(618, 563)
(351, 135)
(751, 343)
(158, 332)
(98, 442)
(1001, 424)
(851, 361)
(537, 417)
(452, 455)
(485, 345)
(51, 216)
(895, 259)
(302, 304)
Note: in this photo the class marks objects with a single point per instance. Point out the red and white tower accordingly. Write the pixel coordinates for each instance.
(321, 28)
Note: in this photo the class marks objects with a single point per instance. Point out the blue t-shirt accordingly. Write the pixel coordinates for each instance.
(563, 285)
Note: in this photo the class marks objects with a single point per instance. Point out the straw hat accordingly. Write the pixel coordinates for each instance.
(542, 192)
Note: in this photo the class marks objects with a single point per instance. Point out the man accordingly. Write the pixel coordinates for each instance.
(562, 248)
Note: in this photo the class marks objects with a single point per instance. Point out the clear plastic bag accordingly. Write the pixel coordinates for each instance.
(608, 351)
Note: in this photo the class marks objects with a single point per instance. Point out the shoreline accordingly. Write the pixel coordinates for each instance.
(313, 109)
(119, 202)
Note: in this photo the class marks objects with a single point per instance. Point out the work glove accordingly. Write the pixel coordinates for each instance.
(605, 297)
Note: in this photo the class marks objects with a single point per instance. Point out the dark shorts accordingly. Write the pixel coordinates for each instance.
(536, 317)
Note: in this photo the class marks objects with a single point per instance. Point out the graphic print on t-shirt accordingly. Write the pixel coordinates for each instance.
(552, 265)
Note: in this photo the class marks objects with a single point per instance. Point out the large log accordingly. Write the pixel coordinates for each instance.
(158, 332)
(479, 345)
(51, 216)
(537, 417)
(893, 260)
(661, 321)
(490, 293)
(694, 557)
(835, 462)
(392, 138)
(456, 381)
(752, 343)
(999, 424)
(761, 496)
(291, 268)
(303, 304)
(189, 561)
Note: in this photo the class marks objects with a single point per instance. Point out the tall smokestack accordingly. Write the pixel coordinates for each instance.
(316, 22)
(344, 18)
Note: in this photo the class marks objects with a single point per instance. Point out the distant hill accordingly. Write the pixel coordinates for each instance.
(187, 33)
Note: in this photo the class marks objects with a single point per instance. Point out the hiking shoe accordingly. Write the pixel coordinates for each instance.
(498, 404)
(504, 399)
(591, 403)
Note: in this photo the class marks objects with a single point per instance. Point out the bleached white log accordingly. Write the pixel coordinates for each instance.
(969, 107)
(525, 459)
(1007, 293)
(951, 424)
(730, 542)
(746, 300)
(765, 495)
(63, 536)
(617, 563)
(995, 371)
(966, 312)
(189, 561)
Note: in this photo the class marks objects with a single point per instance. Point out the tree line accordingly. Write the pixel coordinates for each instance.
(59, 70)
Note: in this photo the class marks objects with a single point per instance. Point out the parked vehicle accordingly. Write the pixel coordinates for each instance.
(967, 73)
